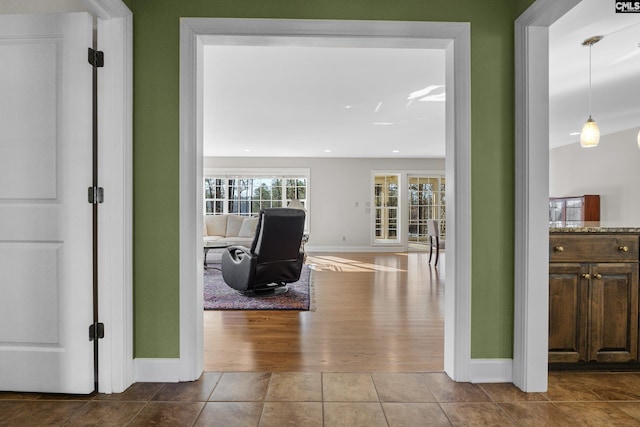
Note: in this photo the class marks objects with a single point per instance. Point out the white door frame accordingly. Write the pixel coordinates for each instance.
(115, 236)
(531, 293)
(453, 37)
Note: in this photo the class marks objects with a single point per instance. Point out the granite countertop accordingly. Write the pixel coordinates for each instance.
(590, 227)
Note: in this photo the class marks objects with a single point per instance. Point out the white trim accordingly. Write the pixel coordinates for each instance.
(453, 37)
(491, 370)
(158, 370)
(107, 9)
(457, 324)
(531, 279)
(115, 239)
(191, 190)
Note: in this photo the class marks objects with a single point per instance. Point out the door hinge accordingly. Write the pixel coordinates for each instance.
(96, 195)
(96, 331)
(96, 58)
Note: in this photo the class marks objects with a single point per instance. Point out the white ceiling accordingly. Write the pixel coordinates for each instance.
(282, 101)
(287, 101)
(615, 71)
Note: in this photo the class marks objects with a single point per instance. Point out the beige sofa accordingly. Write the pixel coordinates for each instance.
(229, 229)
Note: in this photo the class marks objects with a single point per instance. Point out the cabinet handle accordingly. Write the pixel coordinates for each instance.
(623, 248)
(558, 249)
(598, 276)
(586, 276)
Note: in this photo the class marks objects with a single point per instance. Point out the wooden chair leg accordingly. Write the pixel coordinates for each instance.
(437, 250)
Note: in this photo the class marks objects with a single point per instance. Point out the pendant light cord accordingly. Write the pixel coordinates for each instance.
(590, 45)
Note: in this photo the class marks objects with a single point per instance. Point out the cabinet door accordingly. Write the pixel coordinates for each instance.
(568, 306)
(613, 323)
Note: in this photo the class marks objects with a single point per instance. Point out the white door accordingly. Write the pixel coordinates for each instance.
(45, 218)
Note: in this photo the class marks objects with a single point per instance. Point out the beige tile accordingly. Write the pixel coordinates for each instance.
(230, 414)
(630, 408)
(294, 414)
(350, 414)
(33, 413)
(415, 414)
(137, 392)
(597, 414)
(9, 408)
(10, 395)
(446, 390)
(295, 387)
(168, 414)
(348, 387)
(192, 391)
(507, 392)
(97, 413)
(476, 414)
(402, 387)
(241, 387)
(567, 387)
(610, 385)
(537, 414)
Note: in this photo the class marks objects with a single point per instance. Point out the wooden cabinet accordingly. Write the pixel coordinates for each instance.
(574, 210)
(593, 298)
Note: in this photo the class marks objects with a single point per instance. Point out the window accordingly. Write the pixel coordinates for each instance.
(386, 197)
(246, 193)
(426, 201)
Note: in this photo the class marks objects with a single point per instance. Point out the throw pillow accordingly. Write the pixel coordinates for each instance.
(216, 225)
(233, 225)
(248, 228)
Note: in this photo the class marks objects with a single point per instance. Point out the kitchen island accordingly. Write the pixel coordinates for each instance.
(593, 294)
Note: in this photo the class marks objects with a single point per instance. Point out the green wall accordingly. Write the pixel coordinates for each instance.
(156, 133)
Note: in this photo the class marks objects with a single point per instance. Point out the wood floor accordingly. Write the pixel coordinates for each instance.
(374, 312)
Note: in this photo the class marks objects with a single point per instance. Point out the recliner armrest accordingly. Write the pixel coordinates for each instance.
(238, 267)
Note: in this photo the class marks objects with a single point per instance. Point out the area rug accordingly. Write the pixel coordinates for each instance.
(219, 296)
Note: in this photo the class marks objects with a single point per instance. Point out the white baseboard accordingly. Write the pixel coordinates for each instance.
(157, 370)
(491, 370)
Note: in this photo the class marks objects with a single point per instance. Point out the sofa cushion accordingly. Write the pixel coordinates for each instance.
(216, 225)
(234, 223)
(248, 228)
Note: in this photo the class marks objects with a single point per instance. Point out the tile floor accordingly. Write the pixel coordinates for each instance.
(338, 399)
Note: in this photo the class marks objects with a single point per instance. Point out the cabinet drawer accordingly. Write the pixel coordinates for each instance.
(593, 248)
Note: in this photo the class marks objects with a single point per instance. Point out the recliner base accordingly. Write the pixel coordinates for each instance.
(266, 291)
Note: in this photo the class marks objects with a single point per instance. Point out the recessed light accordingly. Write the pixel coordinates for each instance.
(395, 151)
(246, 150)
(327, 151)
(574, 133)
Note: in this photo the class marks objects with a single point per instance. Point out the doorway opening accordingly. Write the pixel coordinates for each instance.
(453, 38)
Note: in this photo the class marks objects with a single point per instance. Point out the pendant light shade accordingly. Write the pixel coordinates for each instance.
(590, 135)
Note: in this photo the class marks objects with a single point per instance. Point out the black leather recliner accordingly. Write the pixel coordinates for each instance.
(275, 257)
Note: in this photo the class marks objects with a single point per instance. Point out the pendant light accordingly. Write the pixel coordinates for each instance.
(590, 135)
